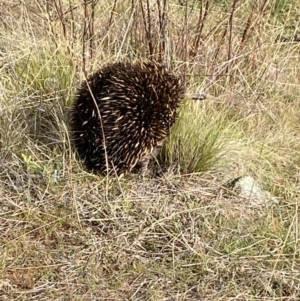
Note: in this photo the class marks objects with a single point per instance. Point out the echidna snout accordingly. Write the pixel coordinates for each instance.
(122, 113)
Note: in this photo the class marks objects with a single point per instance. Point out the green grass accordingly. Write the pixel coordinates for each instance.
(70, 235)
(200, 144)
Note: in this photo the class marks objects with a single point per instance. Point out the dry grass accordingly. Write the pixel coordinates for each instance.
(70, 235)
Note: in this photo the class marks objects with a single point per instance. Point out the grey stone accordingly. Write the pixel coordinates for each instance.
(248, 188)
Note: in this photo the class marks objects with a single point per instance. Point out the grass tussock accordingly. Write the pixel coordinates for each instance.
(70, 235)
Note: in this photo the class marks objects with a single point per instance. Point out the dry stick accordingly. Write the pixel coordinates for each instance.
(250, 25)
(125, 35)
(220, 43)
(84, 37)
(101, 124)
(61, 16)
(59, 10)
(32, 10)
(160, 21)
(51, 29)
(185, 41)
(52, 32)
(92, 29)
(147, 29)
(135, 34)
(230, 23)
(73, 35)
(245, 32)
(111, 14)
(264, 6)
(71, 9)
(200, 25)
(40, 8)
(165, 32)
(162, 15)
(150, 28)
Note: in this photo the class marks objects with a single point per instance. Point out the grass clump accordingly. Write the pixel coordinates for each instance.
(201, 138)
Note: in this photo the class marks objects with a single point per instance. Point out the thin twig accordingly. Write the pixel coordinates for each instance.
(84, 37)
(200, 25)
(112, 14)
(230, 24)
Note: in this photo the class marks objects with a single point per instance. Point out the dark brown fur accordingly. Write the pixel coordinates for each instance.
(122, 113)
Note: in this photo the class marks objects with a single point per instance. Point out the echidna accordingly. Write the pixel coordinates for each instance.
(123, 113)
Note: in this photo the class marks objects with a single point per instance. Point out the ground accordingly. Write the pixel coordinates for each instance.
(180, 233)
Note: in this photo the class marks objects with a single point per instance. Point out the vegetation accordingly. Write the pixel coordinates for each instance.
(70, 235)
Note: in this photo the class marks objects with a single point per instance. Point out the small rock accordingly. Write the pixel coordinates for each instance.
(198, 96)
(247, 187)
